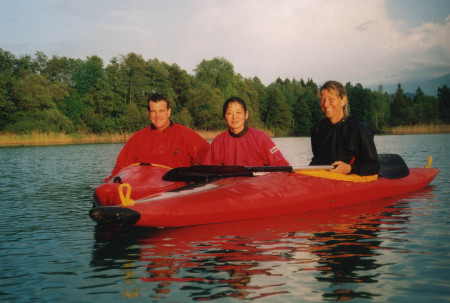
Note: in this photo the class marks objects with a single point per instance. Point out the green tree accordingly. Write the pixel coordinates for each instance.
(59, 70)
(35, 107)
(31, 93)
(400, 110)
(247, 90)
(361, 103)
(382, 109)
(115, 94)
(88, 74)
(7, 106)
(183, 117)
(90, 84)
(133, 67)
(444, 103)
(302, 117)
(311, 99)
(219, 73)
(135, 118)
(181, 83)
(159, 78)
(262, 97)
(425, 108)
(278, 115)
(206, 107)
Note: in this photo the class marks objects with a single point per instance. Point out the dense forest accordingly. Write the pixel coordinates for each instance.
(68, 95)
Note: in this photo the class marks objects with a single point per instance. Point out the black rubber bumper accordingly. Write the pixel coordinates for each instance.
(114, 216)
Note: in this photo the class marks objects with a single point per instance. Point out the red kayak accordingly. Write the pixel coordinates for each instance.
(248, 197)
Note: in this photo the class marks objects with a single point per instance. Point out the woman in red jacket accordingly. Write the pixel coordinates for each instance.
(240, 144)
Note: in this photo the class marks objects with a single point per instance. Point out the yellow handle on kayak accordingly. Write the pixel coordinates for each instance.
(430, 159)
(126, 200)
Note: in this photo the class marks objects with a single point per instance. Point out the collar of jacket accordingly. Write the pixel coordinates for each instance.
(337, 124)
(240, 134)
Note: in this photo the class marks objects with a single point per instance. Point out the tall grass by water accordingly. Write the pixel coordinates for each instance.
(42, 138)
(418, 129)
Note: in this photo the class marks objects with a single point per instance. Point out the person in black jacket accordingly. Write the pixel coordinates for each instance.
(341, 140)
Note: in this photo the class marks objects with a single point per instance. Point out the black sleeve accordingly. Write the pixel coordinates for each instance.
(366, 162)
(314, 145)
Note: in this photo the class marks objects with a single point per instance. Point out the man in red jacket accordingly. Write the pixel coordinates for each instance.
(163, 142)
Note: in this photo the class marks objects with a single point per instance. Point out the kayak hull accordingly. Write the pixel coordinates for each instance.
(272, 194)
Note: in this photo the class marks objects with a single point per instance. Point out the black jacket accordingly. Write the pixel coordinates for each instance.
(349, 141)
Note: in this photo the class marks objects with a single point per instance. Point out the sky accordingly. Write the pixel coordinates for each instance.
(359, 41)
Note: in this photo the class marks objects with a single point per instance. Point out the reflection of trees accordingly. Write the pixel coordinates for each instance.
(348, 258)
(117, 249)
(216, 266)
(212, 271)
(344, 256)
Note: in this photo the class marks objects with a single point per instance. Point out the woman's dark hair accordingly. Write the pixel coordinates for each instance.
(155, 97)
(233, 99)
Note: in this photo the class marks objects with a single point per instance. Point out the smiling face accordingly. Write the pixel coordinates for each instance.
(235, 116)
(332, 105)
(159, 114)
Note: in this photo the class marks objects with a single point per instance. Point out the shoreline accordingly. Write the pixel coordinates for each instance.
(38, 138)
(42, 139)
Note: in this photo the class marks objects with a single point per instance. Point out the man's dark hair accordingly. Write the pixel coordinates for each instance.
(155, 97)
(233, 99)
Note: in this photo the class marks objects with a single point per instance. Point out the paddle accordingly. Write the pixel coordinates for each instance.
(204, 172)
(392, 166)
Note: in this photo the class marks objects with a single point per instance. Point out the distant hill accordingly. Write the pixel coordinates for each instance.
(429, 87)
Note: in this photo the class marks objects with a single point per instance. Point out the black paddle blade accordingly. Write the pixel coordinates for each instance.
(392, 166)
(200, 173)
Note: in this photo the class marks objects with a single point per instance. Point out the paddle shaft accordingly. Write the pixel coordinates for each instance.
(202, 172)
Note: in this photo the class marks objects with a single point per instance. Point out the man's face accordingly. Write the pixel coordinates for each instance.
(159, 114)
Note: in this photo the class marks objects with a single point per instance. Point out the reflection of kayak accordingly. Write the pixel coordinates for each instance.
(241, 198)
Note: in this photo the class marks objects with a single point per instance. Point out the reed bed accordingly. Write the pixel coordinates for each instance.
(418, 129)
(42, 138)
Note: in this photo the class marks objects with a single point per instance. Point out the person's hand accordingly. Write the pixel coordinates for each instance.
(341, 167)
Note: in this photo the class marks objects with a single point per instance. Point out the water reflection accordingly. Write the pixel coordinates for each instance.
(282, 257)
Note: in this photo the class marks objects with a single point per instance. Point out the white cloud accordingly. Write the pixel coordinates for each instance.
(346, 40)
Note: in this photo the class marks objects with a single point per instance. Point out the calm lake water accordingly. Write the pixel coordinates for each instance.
(391, 250)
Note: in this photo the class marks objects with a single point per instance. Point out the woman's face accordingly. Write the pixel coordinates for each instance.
(332, 105)
(235, 117)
